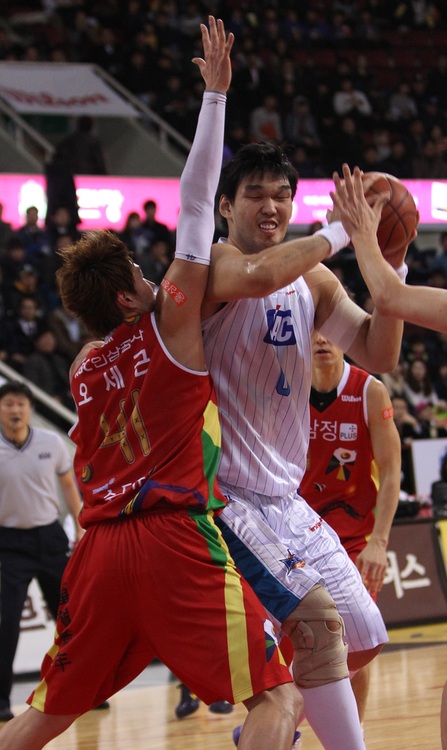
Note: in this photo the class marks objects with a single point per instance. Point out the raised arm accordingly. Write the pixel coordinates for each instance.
(420, 305)
(181, 293)
(378, 343)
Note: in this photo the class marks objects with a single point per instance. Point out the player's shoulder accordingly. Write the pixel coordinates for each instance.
(377, 395)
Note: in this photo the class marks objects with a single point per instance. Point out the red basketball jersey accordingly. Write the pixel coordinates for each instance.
(148, 428)
(341, 479)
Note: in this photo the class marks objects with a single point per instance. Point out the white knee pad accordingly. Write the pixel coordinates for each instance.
(320, 653)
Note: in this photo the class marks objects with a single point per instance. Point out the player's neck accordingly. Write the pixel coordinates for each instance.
(325, 379)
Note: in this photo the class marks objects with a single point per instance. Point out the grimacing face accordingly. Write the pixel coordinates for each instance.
(260, 214)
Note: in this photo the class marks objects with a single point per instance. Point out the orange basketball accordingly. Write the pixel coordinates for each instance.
(399, 214)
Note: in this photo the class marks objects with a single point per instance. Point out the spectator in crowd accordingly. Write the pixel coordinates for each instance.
(265, 121)
(129, 234)
(409, 429)
(61, 188)
(432, 425)
(153, 229)
(301, 127)
(12, 262)
(347, 145)
(49, 370)
(440, 261)
(394, 381)
(60, 224)
(34, 239)
(6, 233)
(81, 150)
(351, 101)
(418, 388)
(69, 333)
(156, 261)
(32, 541)
(21, 330)
(27, 285)
(401, 105)
(398, 162)
(441, 381)
(429, 164)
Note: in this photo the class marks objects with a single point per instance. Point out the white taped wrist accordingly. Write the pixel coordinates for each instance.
(337, 237)
(199, 181)
(402, 272)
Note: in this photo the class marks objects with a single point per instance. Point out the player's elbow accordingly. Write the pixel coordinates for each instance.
(384, 302)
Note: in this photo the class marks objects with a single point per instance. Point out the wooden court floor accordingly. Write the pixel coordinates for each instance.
(402, 713)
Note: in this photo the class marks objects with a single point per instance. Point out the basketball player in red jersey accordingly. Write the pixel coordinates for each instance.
(152, 575)
(424, 306)
(353, 466)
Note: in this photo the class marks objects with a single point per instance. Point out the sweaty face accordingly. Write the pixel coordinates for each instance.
(260, 214)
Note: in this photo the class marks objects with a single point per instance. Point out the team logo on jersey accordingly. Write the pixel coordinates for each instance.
(292, 562)
(87, 473)
(132, 319)
(45, 454)
(348, 431)
(341, 459)
(280, 329)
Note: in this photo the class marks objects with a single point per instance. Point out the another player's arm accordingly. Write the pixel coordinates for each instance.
(72, 499)
(179, 302)
(372, 561)
(420, 305)
(372, 341)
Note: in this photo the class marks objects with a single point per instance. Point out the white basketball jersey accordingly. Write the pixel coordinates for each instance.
(258, 352)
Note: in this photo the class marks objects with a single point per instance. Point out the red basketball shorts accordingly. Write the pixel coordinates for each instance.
(163, 585)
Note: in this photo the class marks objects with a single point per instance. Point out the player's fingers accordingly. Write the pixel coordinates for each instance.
(349, 186)
(369, 179)
(229, 42)
(200, 62)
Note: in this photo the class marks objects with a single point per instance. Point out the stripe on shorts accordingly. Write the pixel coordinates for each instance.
(271, 593)
(237, 640)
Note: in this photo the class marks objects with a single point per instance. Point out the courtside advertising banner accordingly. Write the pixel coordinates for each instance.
(60, 89)
(105, 202)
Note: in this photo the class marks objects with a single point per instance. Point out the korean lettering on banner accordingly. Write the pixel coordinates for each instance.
(401, 578)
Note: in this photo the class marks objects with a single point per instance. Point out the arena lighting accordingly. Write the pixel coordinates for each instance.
(105, 202)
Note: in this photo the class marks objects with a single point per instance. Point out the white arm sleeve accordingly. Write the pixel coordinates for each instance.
(199, 182)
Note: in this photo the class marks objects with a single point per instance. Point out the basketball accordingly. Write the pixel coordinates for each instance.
(399, 214)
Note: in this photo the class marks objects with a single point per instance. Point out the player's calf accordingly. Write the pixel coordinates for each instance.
(316, 631)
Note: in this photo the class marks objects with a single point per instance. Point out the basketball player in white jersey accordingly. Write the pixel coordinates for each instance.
(263, 301)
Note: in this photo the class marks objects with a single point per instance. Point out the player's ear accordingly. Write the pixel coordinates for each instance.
(224, 206)
(125, 299)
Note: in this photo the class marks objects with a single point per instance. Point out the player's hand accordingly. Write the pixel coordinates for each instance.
(398, 257)
(216, 66)
(359, 216)
(372, 565)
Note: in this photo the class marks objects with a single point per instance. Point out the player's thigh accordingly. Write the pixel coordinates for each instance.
(207, 625)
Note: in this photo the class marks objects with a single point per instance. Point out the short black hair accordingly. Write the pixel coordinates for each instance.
(256, 159)
(18, 389)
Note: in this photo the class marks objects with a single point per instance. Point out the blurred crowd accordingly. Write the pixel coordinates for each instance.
(329, 78)
(362, 81)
